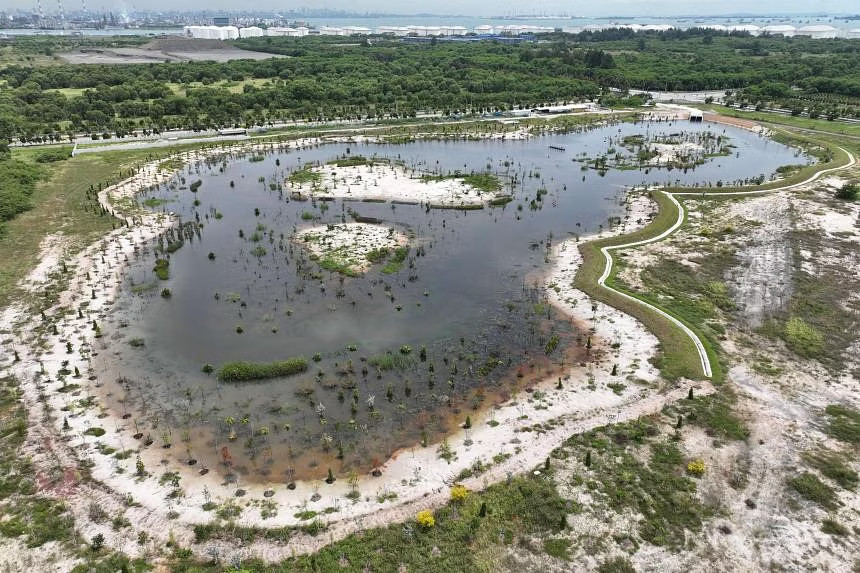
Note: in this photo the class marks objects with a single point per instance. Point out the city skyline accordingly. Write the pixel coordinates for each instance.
(483, 8)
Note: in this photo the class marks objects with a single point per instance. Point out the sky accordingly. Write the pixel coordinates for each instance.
(481, 7)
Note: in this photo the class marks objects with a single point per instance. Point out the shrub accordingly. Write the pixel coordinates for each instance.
(162, 269)
(244, 371)
(848, 192)
(696, 468)
(425, 519)
(459, 493)
(52, 155)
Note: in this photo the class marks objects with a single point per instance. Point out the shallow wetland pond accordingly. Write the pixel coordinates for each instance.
(399, 355)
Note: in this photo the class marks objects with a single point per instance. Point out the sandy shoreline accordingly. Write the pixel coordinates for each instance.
(417, 476)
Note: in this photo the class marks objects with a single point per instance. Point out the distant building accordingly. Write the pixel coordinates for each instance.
(220, 21)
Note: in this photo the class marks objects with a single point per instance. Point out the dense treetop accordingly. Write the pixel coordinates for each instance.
(324, 78)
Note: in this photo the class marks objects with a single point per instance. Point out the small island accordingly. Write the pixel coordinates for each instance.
(352, 248)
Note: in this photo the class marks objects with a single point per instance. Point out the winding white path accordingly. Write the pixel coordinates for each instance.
(700, 348)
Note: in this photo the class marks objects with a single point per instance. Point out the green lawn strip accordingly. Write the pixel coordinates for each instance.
(678, 354)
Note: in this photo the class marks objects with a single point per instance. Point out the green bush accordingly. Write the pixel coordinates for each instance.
(848, 192)
(17, 183)
(245, 371)
(53, 155)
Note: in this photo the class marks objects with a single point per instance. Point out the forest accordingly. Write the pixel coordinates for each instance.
(325, 78)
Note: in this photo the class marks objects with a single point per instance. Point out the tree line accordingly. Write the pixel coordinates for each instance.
(327, 78)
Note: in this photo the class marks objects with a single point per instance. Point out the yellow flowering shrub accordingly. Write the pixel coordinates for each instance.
(696, 467)
(459, 493)
(425, 519)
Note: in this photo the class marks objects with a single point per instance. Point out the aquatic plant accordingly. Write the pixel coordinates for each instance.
(244, 371)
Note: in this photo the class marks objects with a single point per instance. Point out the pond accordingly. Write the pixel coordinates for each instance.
(395, 358)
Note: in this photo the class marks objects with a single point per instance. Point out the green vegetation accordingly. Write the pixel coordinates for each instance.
(843, 423)
(391, 361)
(162, 269)
(245, 371)
(53, 154)
(833, 466)
(678, 355)
(460, 539)
(304, 176)
(335, 264)
(811, 488)
(395, 263)
(17, 184)
(50, 103)
(802, 338)
(713, 413)
(621, 480)
(353, 161)
(486, 182)
(616, 565)
(377, 255)
(25, 514)
(832, 527)
(848, 192)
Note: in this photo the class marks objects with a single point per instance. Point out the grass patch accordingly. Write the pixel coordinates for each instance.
(303, 176)
(460, 539)
(162, 269)
(811, 488)
(337, 266)
(658, 488)
(486, 182)
(154, 203)
(843, 423)
(833, 466)
(391, 361)
(395, 263)
(831, 527)
(354, 161)
(557, 548)
(714, 413)
(246, 371)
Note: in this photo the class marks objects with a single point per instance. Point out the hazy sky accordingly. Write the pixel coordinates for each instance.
(478, 7)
